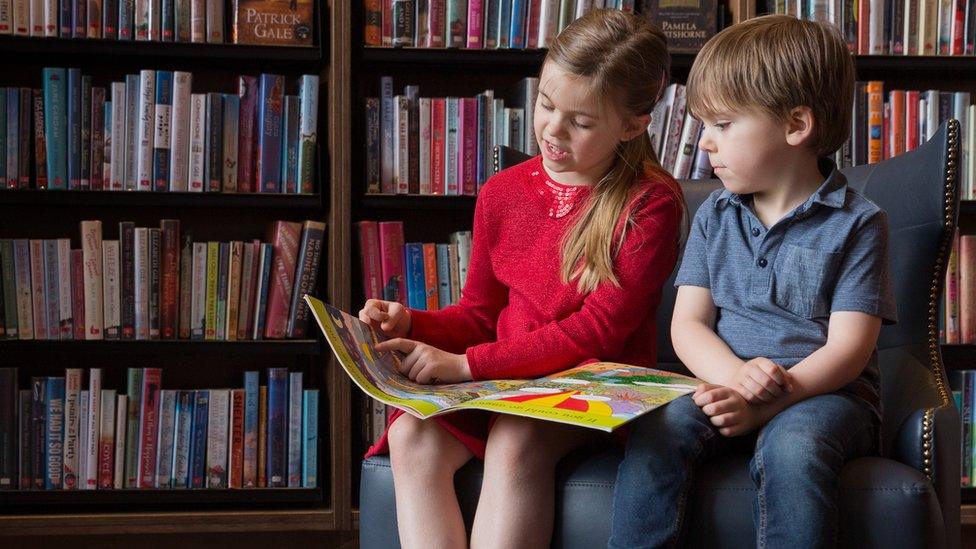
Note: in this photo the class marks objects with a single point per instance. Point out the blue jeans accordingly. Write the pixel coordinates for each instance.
(797, 459)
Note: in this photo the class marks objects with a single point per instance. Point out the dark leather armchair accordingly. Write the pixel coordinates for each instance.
(907, 498)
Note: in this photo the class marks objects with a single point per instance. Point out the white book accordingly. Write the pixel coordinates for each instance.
(928, 27)
(72, 407)
(215, 25)
(463, 241)
(401, 144)
(110, 289)
(659, 116)
(876, 20)
(6, 17)
(198, 140)
(21, 16)
(179, 160)
(528, 91)
(164, 448)
(424, 151)
(217, 439)
(308, 94)
(83, 403)
(931, 114)
(198, 299)
(686, 147)
(106, 440)
(451, 145)
(91, 439)
(960, 111)
(141, 19)
(117, 170)
(91, 246)
(141, 288)
(147, 109)
(37, 17)
(65, 322)
(583, 7)
(675, 123)
(155, 20)
(121, 414)
(131, 167)
(50, 18)
(198, 20)
(548, 22)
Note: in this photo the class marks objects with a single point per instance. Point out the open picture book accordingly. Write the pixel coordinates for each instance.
(602, 395)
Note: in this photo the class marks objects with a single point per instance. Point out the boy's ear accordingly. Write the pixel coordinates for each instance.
(800, 126)
(636, 125)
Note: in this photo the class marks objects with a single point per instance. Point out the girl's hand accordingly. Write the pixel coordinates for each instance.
(389, 317)
(425, 364)
(727, 410)
(761, 380)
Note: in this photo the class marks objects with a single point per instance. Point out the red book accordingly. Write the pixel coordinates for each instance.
(430, 275)
(284, 237)
(40, 143)
(372, 16)
(468, 146)
(958, 26)
(387, 19)
(236, 469)
(149, 426)
(169, 295)
(911, 120)
(391, 261)
(863, 30)
(369, 256)
(78, 293)
(532, 27)
(437, 106)
(435, 28)
(247, 90)
(475, 24)
(897, 121)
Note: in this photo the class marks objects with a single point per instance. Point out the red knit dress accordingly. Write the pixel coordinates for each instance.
(517, 319)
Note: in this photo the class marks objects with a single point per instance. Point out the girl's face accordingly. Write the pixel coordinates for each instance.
(577, 133)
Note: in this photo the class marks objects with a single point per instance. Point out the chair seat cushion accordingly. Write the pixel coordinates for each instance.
(883, 503)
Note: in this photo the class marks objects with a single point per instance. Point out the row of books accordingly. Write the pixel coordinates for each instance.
(251, 21)
(442, 145)
(475, 24)
(421, 275)
(674, 136)
(150, 133)
(156, 283)
(963, 384)
(58, 436)
(885, 125)
(894, 27)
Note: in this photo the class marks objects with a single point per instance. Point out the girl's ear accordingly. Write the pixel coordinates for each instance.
(800, 126)
(635, 125)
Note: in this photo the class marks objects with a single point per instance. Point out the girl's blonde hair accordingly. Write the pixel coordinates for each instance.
(627, 62)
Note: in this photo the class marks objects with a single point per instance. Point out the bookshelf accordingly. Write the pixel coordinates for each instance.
(196, 364)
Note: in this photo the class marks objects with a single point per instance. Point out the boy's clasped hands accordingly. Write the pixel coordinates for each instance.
(739, 407)
(420, 362)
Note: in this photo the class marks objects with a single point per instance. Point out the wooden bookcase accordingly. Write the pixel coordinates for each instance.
(196, 364)
(442, 72)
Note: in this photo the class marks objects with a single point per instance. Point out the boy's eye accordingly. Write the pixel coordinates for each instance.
(721, 125)
(547, 106)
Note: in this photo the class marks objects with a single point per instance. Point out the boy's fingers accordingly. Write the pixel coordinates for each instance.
(725, 420)
(397, 344)
(772, 370)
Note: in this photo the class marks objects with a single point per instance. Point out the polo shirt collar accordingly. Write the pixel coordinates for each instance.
(832, 192)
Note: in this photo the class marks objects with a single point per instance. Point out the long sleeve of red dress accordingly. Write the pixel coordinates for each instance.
(516, 318)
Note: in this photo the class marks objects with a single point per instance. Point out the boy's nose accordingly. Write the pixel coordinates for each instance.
(705, 143)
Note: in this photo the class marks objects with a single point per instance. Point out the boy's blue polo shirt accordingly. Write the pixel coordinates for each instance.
(775, 288)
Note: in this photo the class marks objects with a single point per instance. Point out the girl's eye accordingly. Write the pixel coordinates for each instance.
(581, 125)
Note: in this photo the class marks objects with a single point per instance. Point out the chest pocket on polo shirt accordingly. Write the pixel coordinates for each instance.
(803, 279)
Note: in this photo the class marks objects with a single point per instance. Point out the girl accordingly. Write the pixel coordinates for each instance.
(569, 254)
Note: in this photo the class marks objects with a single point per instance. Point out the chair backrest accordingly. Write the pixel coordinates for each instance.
(919, 193)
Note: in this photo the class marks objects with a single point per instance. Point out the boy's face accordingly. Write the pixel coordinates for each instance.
(747, 149)
(577, 135)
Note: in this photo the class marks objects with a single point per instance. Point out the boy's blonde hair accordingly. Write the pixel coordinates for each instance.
(627, 61)
(774, 64)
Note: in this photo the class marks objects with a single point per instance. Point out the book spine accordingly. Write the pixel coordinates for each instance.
(215, 22)
(386, 135)
(307, 137)
(423, 153)
(134, 393)
(373, 160)
(310, 425)
(84, 403)
(223, 261)
(213, 262)
(38, 294)
(72, 427)
(233, 290)
(313, 234)
(22, 265)
(437, 173)
(430, 276)
(294, 430)
(289, 145)
(54, 433)
(52, 281)
(264, 283)
(183, 436)
(236, 468)
(269, 133)
(372, 23)
(452, 146)
(443, 276)
(181, 20)
(8, 272)
(110, 19)
(167, 23)
(198, 139)
(127, 11)
(74, 128)
(142, 13)
(110, 289)
(369, 254)
(130, 163)
(127, 279)
(167, 433)
(285, 239)
(97, 142)
(403, 13)
(469, 137)
(277, 451)
(401, 145)
(250, 470)
(416, 286)
(179, 137)
(162, 117)
(155, 261)
(78, 294)
(92, 428)
(121, 413)
(106, 440)
(144, 160)
(141, 283)
(198, 305)
(23, 148)
(248, 92)
(38, 436)
(476, 18)
(186, 286)
(40, 145)
(13, 131)
(198, 442)
(55, 136)
(170, 278)
(875, 90)
(24, 419)
(262, 436)
(214, 145)
(391, 261)
(231, 130)
(217, 439)
(249, 284)
(149, 427)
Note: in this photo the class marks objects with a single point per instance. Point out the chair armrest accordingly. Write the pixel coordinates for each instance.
(928, 440)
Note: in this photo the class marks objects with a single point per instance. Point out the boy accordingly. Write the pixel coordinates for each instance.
(782, 290)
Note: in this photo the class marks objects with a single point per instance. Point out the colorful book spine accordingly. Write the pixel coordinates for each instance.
(162, 118)
(233, 290)
(310, 446)
(198, 303)
(170, 278)
(155, 262)
(132, 427)
(289, 145)
(217, 437)
(142, 282)
(25, 312)
(277, 451)
(55, 121)
(106, 440)
(167, 434)
(149, 426)
(443, 276)
(38, 289)
(74, 128)
(223, 261)
(65, 316)
(214, 145)
(430, 276)
(91, 246)
(284, 236)
(235, 469)
(294, 429)
(198, 141)
(247, 92)
(84, 133)
(179, 143)
(198, 442)
(391, 261)
(84, 402)
(127, 279)
(91, 427)
(110, 289)
(213, 262)
(183, 436)
(369, 254)
(269, 133)
(78, 293)
(40, 145)
(51, 287)
(313, 235)
(145, 132)
(308, 93)
(875, 90)
(262, 436)
(416, 283)
(53, 433)
(251, 390)
(72, 427)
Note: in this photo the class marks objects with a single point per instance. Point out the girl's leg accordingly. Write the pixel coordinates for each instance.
(518, 490)
(425, 457)
(796, 466)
